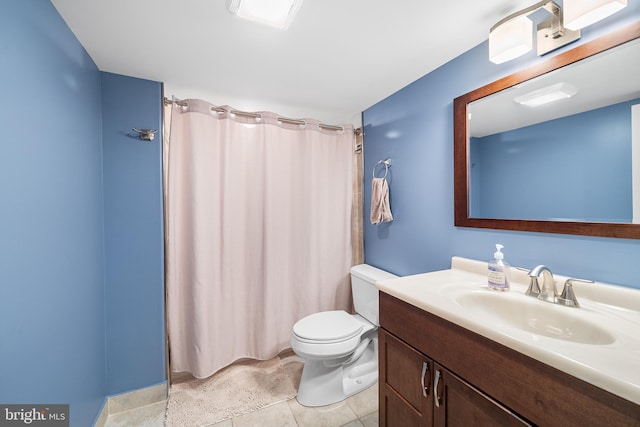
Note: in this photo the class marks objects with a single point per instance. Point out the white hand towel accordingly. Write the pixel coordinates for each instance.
(380, 208)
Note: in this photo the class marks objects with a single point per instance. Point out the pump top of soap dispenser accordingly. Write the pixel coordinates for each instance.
(498, 254)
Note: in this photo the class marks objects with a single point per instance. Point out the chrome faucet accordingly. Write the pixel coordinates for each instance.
(548, 291)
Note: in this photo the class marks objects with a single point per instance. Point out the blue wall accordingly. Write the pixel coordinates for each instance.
(52, 319)
(414, 126)
(81, 239)
(588, 177)
(133, 234)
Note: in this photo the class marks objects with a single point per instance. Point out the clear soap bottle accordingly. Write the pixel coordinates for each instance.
(499, 271)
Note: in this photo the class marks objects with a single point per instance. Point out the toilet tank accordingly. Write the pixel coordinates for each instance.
(364, 291)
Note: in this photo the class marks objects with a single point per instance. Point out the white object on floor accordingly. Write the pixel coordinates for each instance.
(340, 350)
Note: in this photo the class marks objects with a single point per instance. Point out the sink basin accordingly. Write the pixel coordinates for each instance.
(537, 317)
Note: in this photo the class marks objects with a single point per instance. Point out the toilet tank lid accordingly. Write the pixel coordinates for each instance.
(370, 273)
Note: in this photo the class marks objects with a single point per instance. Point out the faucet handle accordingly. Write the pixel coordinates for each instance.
(567, 297)
(534, 288)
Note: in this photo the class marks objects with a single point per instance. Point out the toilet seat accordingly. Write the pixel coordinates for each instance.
(328, 334)
(327, 327)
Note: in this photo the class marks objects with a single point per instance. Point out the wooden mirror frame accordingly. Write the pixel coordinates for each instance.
(461, 149)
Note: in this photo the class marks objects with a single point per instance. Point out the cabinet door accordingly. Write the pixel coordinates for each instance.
(458, 403)
(405, 384)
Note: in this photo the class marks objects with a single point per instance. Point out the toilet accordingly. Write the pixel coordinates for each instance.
(340, 350)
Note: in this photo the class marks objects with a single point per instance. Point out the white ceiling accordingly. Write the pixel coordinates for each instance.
(337, 58)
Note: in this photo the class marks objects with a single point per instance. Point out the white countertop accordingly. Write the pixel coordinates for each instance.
(614, 366)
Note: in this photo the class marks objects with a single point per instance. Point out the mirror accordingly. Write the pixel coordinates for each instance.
(549, 168)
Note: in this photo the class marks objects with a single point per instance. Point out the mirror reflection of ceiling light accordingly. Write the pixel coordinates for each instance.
(275, 13)
(547, 95)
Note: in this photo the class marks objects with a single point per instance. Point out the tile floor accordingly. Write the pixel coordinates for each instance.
(360, 410)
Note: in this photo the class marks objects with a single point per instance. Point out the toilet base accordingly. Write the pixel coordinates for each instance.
(322, 384)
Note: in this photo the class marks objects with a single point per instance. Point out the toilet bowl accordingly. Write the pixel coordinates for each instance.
(340, 350)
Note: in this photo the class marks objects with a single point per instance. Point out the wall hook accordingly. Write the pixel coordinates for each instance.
(145, 134)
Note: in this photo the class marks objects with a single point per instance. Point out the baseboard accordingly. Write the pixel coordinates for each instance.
(127, 401)
(101, 419)
(134, 399)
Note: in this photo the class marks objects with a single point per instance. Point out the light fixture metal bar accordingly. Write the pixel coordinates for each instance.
(547, 4)
(548, 38)
(551, 33)
(555, 21)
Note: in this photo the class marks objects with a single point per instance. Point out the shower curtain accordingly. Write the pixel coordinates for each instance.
(258, 232)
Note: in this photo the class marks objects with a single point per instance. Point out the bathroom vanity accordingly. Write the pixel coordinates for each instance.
(452, 352)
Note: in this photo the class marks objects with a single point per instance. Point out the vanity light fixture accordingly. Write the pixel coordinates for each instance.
(547, 95)
(512, 36)
(581, 13)
(275, 13)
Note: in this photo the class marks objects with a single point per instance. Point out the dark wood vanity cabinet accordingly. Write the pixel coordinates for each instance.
(458, 403)
(436, 373)
(415, 391)
(405, 384)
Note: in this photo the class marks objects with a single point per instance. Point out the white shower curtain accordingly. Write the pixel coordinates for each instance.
(258, 232)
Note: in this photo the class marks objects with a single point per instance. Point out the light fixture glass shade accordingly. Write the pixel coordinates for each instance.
(547, 95)
(581, 13)
(275, 13)
(510, 40)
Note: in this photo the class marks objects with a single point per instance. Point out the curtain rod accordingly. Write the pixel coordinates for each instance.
(183, 103)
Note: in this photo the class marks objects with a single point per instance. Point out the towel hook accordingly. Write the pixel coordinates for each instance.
(386, 163)
(145, 134)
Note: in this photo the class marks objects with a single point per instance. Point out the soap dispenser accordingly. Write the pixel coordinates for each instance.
(499, 272)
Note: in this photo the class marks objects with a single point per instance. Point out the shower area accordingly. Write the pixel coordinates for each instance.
(263, 222)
